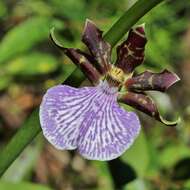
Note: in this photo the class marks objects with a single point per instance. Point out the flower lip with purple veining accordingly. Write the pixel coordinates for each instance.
(90, 119)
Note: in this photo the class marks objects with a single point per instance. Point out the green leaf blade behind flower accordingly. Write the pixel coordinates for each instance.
(138, 155)
(23, 37)
(32, 64)
(21, 186)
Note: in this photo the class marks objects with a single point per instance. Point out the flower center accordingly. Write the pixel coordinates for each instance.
(115, 76)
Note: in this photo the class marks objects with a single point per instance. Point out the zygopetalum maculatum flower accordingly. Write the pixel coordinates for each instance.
(90, 119)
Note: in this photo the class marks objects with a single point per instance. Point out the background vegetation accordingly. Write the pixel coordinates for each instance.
(29, 64)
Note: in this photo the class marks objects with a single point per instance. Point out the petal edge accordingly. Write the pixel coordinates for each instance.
(145, 104)
(152, 81)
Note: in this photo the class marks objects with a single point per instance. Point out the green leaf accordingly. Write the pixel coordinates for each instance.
(24, 36)
(23, 165)
(21, 186)
(36, 8)
(163, 29)
(105, 179)
(3, 9)
(5, 81)
(187, 185)
(138, 155)
(32, 64)
(67, 69)
(137, 184)
(66, 7)
(172, 154)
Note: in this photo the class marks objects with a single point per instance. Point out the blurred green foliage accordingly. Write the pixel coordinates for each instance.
(164, 26)
(26, 53)
(23, 185)
(25, 163)
(37, 64)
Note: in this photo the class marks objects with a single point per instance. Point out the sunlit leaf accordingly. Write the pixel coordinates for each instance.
(105, 179)
(173, 153)
(137, 184)
(138, 155)
(187, 184)
(36, 7)
(32, 64)
(21, 186)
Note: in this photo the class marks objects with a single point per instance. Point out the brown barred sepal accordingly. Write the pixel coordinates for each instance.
(100, 49)
(130, 53)
(146, 105)
(152, 81)
(80, 59)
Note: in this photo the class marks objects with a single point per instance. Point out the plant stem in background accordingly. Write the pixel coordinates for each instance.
(129, 18)
(29, 130)
(31, 127)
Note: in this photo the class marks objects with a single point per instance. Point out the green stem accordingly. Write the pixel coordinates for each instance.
(31, 127)
(129, 18)
(21, 139)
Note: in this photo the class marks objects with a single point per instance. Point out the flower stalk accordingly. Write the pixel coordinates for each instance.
(31, 128)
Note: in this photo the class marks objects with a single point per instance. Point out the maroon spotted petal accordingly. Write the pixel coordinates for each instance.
(145, 104)
(80, 59)
(130, 53)
(152, 81)
(100, 49)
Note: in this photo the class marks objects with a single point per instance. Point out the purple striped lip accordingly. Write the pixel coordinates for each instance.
(88, 119)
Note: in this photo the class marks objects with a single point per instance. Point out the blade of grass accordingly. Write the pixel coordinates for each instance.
(25, 135)
(31, 127)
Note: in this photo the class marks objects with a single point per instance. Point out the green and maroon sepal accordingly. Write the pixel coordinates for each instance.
(145, 104)
(99, 49)
(130, 53)
(82, 60)
(152, 81)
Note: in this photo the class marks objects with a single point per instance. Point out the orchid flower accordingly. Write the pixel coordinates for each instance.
(90, 119)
